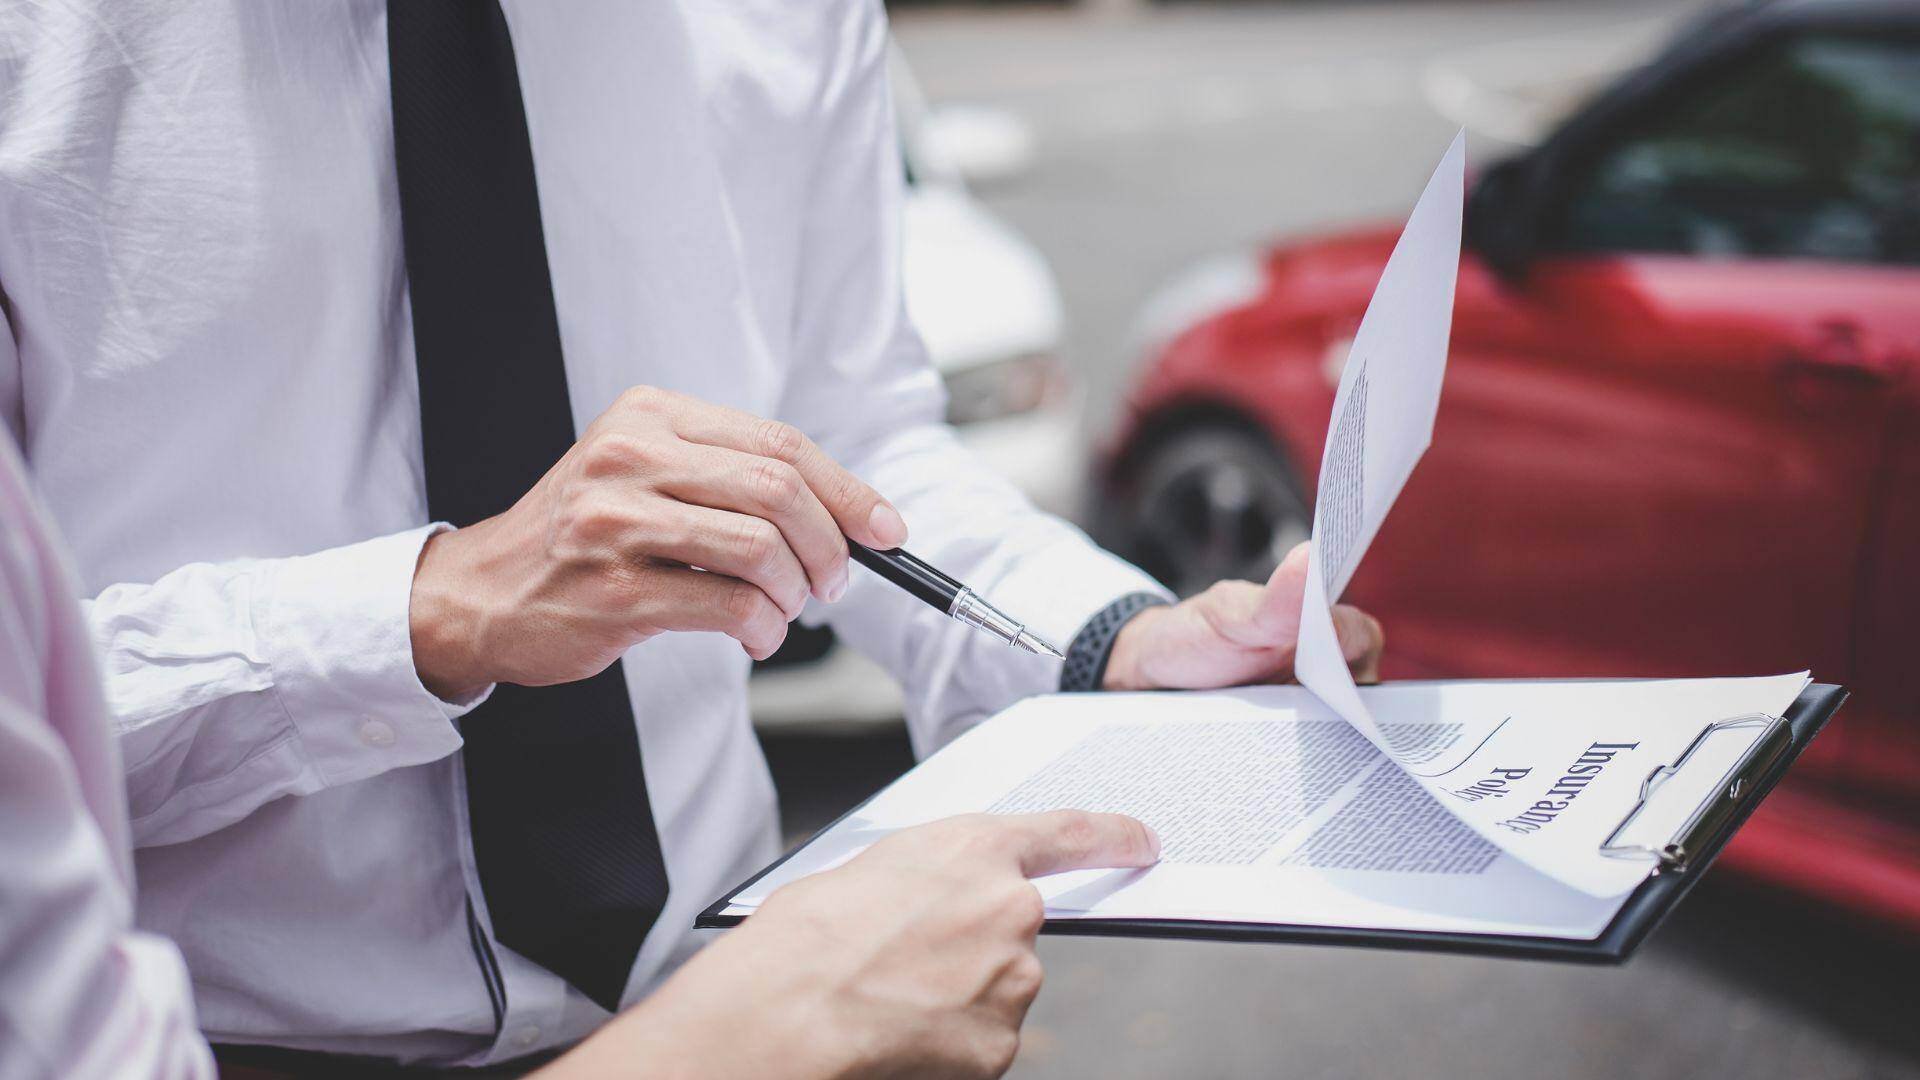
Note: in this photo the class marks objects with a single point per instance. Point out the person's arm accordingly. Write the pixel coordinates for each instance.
(233, 684)
(82, 994)
(236, 683)
(863, 387)
(672, 514)
(914, 959)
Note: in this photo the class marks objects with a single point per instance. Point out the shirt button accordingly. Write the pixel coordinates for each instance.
(376, 733)
(526, 1037)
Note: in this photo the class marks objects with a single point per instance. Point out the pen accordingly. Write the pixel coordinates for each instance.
(942, 592)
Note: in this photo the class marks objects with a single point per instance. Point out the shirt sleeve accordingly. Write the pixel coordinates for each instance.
(82, 994)
(233, 684)
(865, 390)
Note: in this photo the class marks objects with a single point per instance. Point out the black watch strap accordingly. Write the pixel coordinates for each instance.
(1091, 648)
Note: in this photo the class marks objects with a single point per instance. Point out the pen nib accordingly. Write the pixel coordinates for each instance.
(1034, 645)
(970, 609)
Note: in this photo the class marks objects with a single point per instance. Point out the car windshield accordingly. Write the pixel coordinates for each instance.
(1807, 148)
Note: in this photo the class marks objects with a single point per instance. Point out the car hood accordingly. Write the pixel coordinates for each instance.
(1319, 283)
(1325, 273)
(1310, 277)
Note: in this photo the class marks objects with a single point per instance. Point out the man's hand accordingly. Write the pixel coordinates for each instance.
(914, 959)
(1234, 634)
(603, 552)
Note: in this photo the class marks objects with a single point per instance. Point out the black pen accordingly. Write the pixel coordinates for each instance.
(942, 592)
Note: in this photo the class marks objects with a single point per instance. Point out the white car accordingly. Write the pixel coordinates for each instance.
(988, 308)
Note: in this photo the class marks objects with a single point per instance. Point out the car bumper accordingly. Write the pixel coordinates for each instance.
(1859, 860)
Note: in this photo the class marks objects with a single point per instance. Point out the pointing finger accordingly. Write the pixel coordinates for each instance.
(1062, 840)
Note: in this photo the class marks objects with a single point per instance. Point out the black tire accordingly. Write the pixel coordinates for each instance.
(1205, 503)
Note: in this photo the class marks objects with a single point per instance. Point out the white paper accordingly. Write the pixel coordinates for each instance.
(1547, 770)
(1270, 808)
(1382, 419)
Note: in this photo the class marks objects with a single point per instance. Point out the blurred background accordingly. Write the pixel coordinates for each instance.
(1680, 436)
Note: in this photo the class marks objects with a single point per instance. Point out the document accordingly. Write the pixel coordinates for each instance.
(1273, 808)
(1473, 807)
(1270, 808)
(1510, 763)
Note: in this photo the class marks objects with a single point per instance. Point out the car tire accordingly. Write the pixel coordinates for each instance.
(1205, 503)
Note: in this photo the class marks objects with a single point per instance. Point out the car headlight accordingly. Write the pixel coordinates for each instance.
(1002, 388)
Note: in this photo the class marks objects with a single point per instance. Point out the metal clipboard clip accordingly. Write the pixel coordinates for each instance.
(1722, 801)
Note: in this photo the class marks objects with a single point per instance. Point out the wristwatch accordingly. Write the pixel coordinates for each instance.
(1092, 647)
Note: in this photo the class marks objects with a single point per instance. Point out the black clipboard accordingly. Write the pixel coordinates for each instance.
(1682, 859)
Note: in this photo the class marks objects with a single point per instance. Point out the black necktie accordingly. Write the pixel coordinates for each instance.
(563, 835)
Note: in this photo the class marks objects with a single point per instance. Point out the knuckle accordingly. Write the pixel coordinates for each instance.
(1221, 590)
(743, 604)
(613, 452)
(758, 544)
(1078, 835)
(981, 836)
(671, 531)
(850, 493)
(1026, 907)
(1025, 976)
(640, 398)
(585, 520)
(999, 1049)
(780, 440)
(776, 485)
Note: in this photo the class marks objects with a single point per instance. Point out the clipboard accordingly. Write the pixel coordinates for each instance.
(1681, 856)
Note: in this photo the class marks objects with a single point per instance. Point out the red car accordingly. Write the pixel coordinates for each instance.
(1679, 430)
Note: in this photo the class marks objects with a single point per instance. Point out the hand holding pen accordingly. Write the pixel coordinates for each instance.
(669, 514)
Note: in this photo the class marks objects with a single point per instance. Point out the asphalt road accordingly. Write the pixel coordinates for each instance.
(1166, 138)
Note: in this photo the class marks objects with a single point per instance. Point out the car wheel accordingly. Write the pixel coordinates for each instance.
(1209, 503)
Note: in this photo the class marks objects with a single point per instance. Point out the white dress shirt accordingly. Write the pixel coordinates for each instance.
(82, 993)
(209, 360)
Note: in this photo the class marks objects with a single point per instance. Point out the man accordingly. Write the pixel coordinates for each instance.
(289, 287)
(942, 914)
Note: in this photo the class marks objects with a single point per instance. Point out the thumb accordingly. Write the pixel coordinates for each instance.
(1361, 641)
(1277, 618)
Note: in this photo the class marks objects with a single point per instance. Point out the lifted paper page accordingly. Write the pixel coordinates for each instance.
(1382, 420)
(1577, 751)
